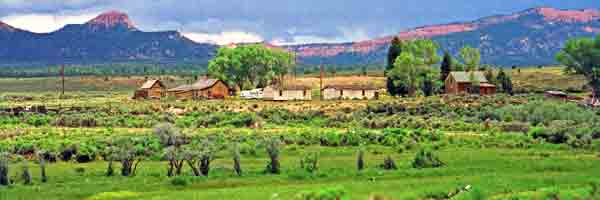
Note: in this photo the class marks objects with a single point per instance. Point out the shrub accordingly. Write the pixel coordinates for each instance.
(180, 181)
(324, 194)
(389, 163)
(309, 162)
(426, 159)
(42, 162)
(272, 147)
(360, 162)
(25, 175)
(4, 179)
(236, 160)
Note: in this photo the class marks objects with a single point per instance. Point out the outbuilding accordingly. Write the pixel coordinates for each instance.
(287, 92)
(153, 89)
(462, 82)
(202, 89)
(352, 92)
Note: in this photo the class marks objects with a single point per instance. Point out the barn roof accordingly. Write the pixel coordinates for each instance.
(465, 77)
(148, 84)
(199, 85)
(487, 85)
(352, 87)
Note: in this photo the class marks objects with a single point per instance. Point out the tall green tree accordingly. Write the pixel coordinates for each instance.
(446, 66)
(393, 53)
(505, 82)
(471, 57)
(251, 66)
(582, 56)
(411, 71)
(405, 73)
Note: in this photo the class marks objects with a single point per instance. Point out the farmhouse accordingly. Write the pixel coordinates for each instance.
(334, 92)
(150, 89)
(287, 92)
(203, 89)
(462, 82)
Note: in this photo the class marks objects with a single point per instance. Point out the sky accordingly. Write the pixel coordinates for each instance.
(275, 21)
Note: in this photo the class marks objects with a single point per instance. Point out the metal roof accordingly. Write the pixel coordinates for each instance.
(466, 77)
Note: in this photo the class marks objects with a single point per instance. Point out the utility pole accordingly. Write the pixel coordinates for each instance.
(322, 74)
(62, 75)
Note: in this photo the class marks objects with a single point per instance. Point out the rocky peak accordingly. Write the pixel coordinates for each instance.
(553, 14)
(6, 27)
(112, 19)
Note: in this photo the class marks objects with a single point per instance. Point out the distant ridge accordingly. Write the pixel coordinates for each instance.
(529, 37)
(109, 38)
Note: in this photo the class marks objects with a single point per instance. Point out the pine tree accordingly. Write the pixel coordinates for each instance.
(446, 67)
(393, 53)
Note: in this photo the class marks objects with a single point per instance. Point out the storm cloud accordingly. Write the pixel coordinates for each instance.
(280, 21)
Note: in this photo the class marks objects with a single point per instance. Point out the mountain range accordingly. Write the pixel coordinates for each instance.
(530, 37)
(110, 37)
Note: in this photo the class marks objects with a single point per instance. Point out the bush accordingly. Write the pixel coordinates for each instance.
(4, 179)
(180, 181)
(389, 163)
(272, 147)
(324, 194)
(309, 162)
(360, 162)
(426, 159)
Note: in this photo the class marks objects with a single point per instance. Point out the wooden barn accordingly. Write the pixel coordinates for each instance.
(462, 82)
(151, 89)
(352, 92)
(287, 92)
(202, 89)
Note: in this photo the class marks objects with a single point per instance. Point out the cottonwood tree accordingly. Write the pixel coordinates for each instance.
(582, 56)
(471, 57)
(272, 146)
(171, 141)
(199, 155)
(251, 66)
(411, 70)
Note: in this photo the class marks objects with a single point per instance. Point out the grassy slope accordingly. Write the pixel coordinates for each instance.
(493, 171)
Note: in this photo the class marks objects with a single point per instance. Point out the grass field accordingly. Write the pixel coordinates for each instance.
(523, 147)
(497, 172)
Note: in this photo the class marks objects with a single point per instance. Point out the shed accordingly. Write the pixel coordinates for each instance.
(462, 82)
(150, 89)
(202, 89)
(287, 92)
(334, 92)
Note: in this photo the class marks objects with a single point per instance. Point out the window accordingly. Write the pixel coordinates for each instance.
(341, 92)
(304, 93)
(363, 92)
(280, 93)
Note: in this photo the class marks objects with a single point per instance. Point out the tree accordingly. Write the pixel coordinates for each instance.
(489, 75)
(471, 57)
(393, 53)
(411, 71)
(446, 66)
(251, 66)
(171, 140)
(505, 82)
(582, 56)
(405, 73)
(199, 155)
(4, 161)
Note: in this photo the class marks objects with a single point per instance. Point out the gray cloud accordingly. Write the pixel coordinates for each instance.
(288, 19)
